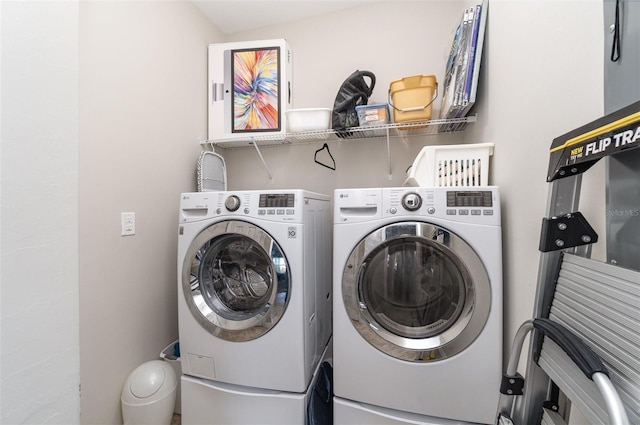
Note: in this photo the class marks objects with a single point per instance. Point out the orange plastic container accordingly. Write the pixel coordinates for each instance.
(412, 97)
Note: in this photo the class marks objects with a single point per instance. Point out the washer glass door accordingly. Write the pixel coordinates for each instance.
(416, 291)
(235, 279)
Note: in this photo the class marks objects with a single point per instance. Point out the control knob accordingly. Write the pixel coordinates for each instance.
(411, 201)
(232, 203)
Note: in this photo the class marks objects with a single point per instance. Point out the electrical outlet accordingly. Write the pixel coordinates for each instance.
(128, 220)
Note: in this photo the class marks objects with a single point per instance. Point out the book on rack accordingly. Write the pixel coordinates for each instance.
(471, 56)
(448, 75)
(471, 85)
(463, 64)
(454, 74)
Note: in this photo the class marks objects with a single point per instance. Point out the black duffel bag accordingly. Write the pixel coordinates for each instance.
(353, 92)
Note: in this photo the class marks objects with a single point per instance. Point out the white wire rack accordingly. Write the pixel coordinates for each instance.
(388, 131)
(393, 130)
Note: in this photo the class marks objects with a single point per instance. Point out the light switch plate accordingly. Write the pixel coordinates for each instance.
(128, 220)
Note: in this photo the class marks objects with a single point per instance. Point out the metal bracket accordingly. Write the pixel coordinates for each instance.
(566, 231)
(551, 405)
(264, 163)
(512, 385)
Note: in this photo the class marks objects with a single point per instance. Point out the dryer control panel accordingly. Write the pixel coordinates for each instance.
(475, 198)
(478, 205)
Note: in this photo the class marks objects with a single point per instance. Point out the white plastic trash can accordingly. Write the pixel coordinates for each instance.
(149, 393)
(171, 355)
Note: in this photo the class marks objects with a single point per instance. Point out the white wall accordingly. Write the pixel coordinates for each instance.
(392, 39)
(143, 109)
(542, 76)
(39, 271)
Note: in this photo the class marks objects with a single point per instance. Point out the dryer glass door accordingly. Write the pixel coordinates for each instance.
(416, 291)
(236, 281)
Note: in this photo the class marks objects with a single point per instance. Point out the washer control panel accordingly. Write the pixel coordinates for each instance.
(411, 201)
(271, 205)
(268, 205)
(232, 203)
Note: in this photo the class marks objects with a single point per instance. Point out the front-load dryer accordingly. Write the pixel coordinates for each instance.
(417, 303)
(254, 286)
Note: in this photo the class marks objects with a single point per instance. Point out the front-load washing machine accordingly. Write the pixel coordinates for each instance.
(254, 286)
(417, 304)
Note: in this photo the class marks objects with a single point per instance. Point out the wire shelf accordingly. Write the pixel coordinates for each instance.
(393, 130)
